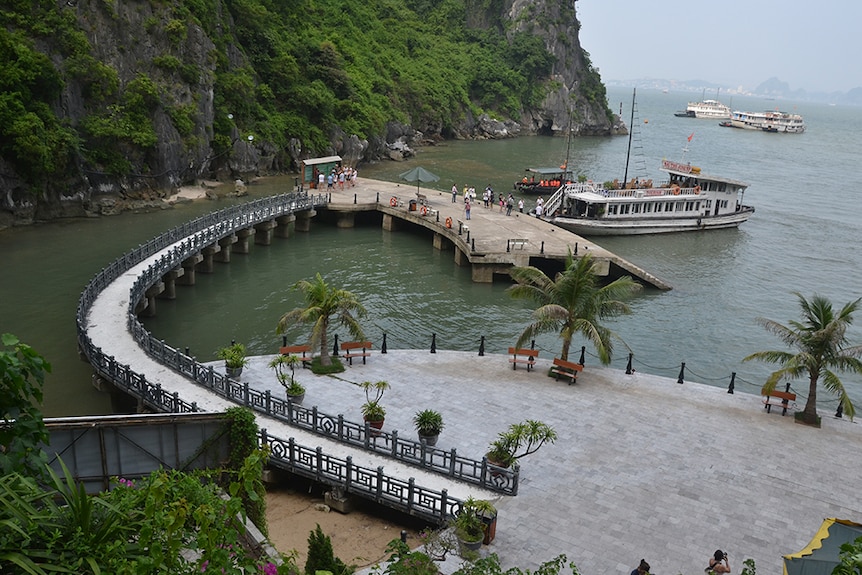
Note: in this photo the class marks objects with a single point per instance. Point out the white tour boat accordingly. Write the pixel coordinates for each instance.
(769, 121)
(707, 109)
(689, 201)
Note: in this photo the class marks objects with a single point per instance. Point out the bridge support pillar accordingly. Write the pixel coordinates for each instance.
(170, 281)
(482, 273)
(264, 232)
(147, 305)
(461, 257)
(188, 277)
(226, 244)
(439, 241)
(345, 220)
(286, 226)
(390, 224)
(208, 253)
(242, 240)
(303, 220)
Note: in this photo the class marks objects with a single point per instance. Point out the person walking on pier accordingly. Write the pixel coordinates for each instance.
(521, 205)
(467, 209)
(454, 194)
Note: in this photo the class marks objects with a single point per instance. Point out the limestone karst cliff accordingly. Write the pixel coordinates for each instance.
(113, 103)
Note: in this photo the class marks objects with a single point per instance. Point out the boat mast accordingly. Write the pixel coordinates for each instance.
(631, 131)
(565, 165)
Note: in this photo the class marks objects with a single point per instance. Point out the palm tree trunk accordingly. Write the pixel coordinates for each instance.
(809, 414)
(564, 354)
(325, 359)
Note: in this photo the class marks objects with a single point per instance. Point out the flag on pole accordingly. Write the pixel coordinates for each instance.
(691, 136)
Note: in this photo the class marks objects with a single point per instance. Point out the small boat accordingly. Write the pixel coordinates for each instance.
(769, 121)
(726, 124)
(544, 181)
(688, 201)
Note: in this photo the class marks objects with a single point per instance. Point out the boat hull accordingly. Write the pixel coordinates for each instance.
(635, 227)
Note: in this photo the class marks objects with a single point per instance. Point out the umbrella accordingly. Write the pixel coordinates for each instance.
(820, 557)
(419, 174)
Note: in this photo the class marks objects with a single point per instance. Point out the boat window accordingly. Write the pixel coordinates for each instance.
(647, 208)
(668, 206)
(612, 210)
(624, 209)
(636, 208)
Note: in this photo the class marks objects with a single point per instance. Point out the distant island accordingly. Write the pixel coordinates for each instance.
(771, 88)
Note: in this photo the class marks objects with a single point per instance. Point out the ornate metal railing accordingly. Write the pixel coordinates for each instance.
(190, 238)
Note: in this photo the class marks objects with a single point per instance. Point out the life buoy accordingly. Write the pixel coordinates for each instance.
(448, 222)
(393, 201)
(676, 190)
(696, 190)
(424, 210)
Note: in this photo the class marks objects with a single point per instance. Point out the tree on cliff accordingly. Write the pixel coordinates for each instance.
(821, 349)
(323, 303)
(573, 302)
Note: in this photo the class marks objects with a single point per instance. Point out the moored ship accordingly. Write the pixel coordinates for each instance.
(706, 109)
(769, 121)
(688, 201)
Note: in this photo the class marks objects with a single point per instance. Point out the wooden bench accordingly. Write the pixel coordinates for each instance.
(525, 356)
(348, 348)
(297, 350)
(566, 369)
(422, 198)
(518, 243)
(780, 399)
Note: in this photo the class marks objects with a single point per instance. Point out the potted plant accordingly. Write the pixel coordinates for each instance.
(520, 440)
(295, 391)
(429, 424)
(468, 524)
(372, 411)
(234, 359)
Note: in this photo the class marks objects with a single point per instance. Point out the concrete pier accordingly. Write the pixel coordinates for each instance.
(490, 241)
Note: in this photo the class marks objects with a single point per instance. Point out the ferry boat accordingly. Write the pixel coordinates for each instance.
(709, 109)
(688, 201)
(769, 121)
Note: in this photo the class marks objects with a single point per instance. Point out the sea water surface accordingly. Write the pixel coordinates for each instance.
(803, 237)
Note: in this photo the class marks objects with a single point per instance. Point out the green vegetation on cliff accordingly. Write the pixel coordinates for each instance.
(278, 69)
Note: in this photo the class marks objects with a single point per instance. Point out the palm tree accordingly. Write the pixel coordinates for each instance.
(323, 304)
(573, 302)
(821, 347)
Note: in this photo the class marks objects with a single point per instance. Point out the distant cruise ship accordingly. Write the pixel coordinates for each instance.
(709, 109)
(769, 121)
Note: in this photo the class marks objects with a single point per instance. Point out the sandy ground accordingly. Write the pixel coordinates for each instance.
(358, 538)
(196, 192)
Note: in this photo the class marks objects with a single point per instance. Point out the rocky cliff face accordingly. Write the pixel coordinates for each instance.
(147, 98)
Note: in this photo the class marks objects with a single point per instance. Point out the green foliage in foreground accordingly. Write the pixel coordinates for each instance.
(168, 522)
(310, 66)
(22, 375)
(850, 559)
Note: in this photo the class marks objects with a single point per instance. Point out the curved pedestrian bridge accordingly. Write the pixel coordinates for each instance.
(643, 467)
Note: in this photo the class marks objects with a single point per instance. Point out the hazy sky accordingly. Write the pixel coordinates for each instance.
(812, 45)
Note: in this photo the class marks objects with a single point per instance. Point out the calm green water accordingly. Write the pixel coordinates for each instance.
(803, 237)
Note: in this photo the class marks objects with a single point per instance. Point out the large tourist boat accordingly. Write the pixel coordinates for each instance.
(769, 121)
(688, 201)
(706, 109)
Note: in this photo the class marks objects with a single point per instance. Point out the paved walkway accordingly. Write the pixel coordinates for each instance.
(643, 467)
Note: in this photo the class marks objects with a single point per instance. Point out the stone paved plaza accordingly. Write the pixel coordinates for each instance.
(644, 467)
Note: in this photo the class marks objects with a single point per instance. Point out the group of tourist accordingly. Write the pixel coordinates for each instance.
(488, 196)
(718, 565)
(338, 176)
